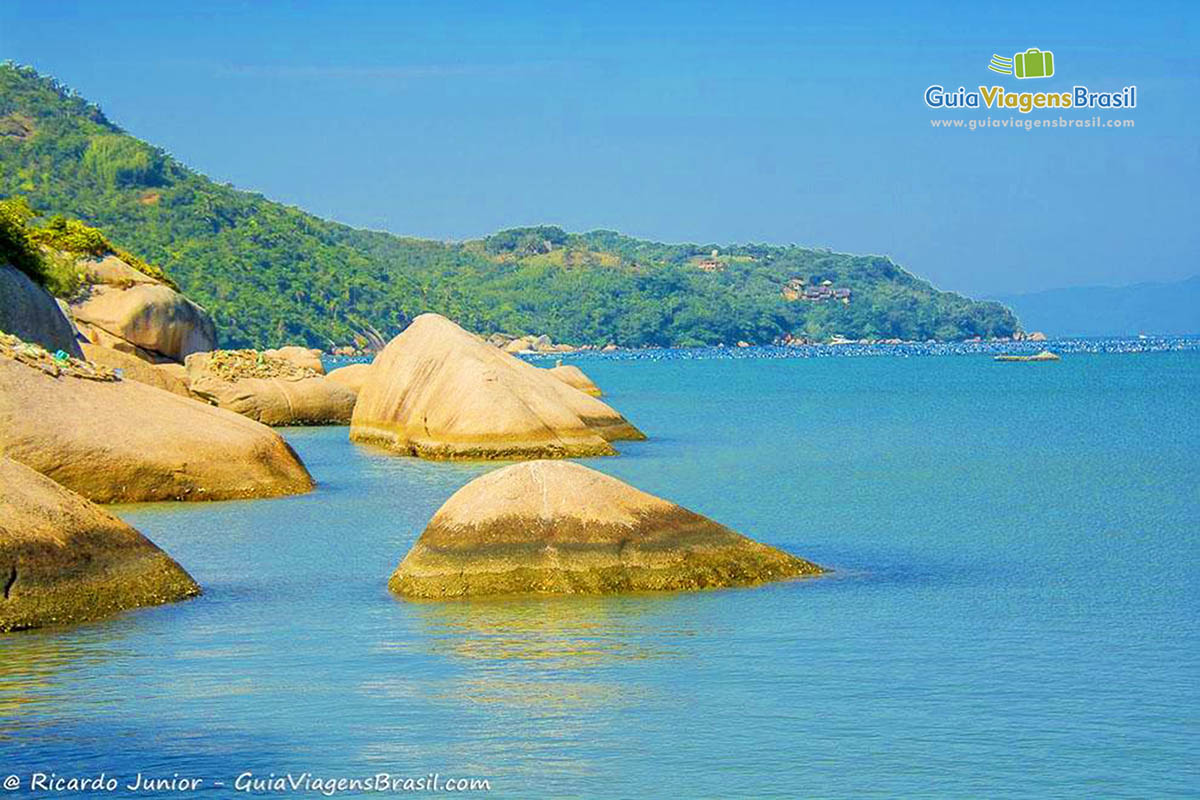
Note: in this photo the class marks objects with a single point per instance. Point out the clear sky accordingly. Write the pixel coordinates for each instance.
(696, 121)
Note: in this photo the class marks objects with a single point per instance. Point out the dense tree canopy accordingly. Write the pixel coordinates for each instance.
(271, 274)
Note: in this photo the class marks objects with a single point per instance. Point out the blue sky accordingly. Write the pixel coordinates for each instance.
(775, 122)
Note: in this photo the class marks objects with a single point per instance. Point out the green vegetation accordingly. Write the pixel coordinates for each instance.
(77, 238)
(119, 160)
(272, 274)
(53, 266)
(15, 246)
(19, 247)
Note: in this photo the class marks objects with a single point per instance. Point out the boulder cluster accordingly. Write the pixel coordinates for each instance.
(531, 343)
(116, 440)
(270, 387)
(128, 322)
(543, 526)
(95, 407)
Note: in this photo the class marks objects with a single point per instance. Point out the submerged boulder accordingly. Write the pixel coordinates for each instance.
(114, 440)
(125, 309)
(303, 357)
(31, 313)
(437, 391)
(554, 527)
(576, 378)
(267, 389)
(1045, 355)
(135, 369)
(65, 560)
(352, 376)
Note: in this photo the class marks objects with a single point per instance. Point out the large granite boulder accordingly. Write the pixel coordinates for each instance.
(270, 390)
(135, 369)
(437, 391)
(533, 343)
(114, 440)
(176, 371)
(576, 378)
(65, 560)
(303, 357)
(31, 313)
(123, 309)
(352, 376)
(524, 344)
(111, 270)
(553, 527)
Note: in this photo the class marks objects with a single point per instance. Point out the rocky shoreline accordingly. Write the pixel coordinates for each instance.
(542, 345)
(172, 417)
(119, 394)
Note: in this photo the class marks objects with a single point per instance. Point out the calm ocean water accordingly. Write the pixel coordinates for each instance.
(1014, 611)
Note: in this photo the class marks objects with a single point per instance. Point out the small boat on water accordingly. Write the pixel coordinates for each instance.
(1045, 355)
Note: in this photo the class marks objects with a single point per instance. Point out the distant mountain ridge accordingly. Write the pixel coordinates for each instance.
(1150, 308)
(272, 274)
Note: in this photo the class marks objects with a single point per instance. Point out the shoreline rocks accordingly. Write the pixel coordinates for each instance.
(303, 357)
(352, 376)
(31, 313)
(576, 378)
(268, 389)
(532, 343)
(135, 369)
(65, 560)
(123, 309)
(437, 391)
(115, 440)
(557, 527)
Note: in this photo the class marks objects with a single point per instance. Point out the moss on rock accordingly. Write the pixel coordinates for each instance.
(64, 560)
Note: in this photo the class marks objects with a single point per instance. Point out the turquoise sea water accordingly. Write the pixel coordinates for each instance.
(1014, 611)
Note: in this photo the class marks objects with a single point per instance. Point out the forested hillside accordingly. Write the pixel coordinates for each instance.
(271, 274)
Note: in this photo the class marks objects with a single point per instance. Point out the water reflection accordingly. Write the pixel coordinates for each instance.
(528, 681)
(539, 655)
(38, 669)
(574, 632)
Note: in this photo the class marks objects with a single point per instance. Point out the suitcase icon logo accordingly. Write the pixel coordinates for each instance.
(1033, 63)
